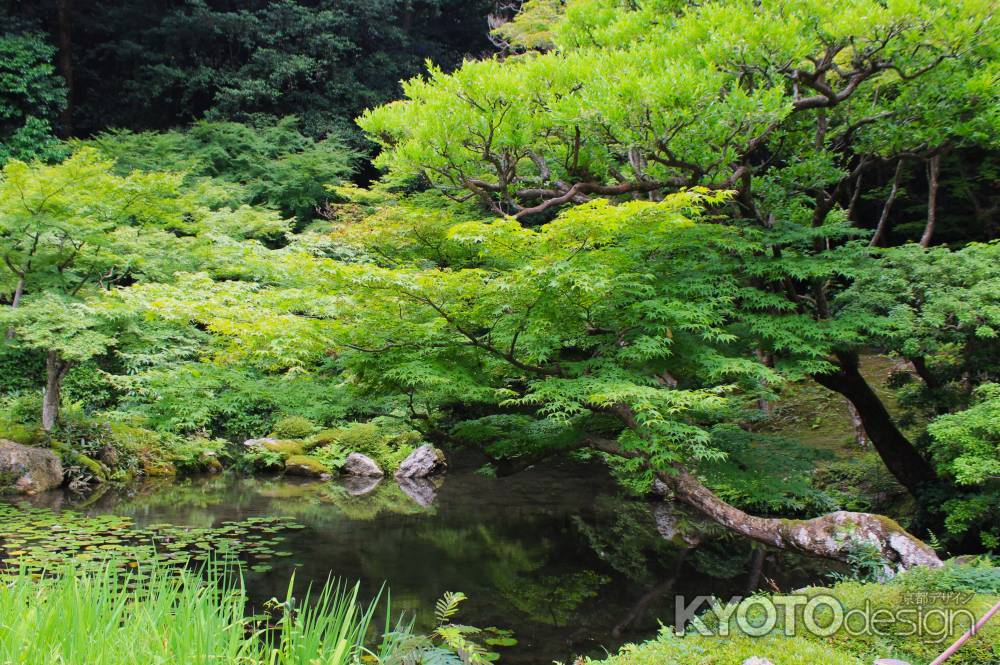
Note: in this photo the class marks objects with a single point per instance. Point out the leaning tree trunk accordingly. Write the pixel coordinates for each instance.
(833, 536)
(903, 460)
(55, 371)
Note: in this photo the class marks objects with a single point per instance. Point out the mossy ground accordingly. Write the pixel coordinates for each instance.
(843, 647)
(818, 418)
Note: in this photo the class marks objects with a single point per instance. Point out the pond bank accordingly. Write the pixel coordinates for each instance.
(554, 554)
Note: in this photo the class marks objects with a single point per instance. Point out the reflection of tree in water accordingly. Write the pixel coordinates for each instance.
(662, 548)
(527, 575)
(626, 538)
(198, 499)
(553, 599)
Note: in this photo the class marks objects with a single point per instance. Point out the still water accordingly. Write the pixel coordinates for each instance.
(555, 553)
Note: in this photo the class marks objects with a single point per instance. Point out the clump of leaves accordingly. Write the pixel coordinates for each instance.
(293, 427)
(332, 455)
(387, 447)
(449, 643)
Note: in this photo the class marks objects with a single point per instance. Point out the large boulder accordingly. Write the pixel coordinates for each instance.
(422, 462)
(362, 465)
(29, 470)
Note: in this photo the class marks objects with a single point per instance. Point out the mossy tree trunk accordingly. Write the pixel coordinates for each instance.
(55, 371)
(835, 535)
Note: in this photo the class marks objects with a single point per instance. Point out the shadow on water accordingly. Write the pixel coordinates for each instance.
(555, 553)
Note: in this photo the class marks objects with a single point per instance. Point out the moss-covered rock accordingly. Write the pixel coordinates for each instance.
(160, 470)
(98, 471)
(285, 447)
(28, 470)
(322, 438)
(304, 465)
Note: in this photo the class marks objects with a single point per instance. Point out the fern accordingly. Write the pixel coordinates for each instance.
(447, 606)
(454, 637)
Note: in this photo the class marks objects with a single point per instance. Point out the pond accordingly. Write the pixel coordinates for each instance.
(556, 553)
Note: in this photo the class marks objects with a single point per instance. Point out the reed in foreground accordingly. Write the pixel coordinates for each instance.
(173, 616)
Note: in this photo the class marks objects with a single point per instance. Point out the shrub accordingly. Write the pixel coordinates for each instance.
(197, 454)
(260, 459)
(388, 448)
(23, 434)
(322, 438)
(293, 427)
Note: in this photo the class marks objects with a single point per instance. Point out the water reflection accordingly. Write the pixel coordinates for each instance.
(555, 553)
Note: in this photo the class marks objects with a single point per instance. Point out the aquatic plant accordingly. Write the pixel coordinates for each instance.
(175, 616)
(39, 540)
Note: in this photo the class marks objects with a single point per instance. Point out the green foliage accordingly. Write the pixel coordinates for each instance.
(178, 615)
(448, 644)
(331, 455)
(938, 307)
(293, 427)
(766, 474)
(979, 576)
(866, 564)
(232, 401)
(695, 650)
(388, 446)
(260, 459)
(859, 482)
(532, 27)
(966, 447)
(274, 165)
(20, 370)
(31, 97)
(447, 606)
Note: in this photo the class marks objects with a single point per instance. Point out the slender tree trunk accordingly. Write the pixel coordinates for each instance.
(55, 372)
(860, 435)
(883, 220)
(903, 460)
(18, 294)
(832, 536)
(766, 359)
(933, 171)
(64, 10)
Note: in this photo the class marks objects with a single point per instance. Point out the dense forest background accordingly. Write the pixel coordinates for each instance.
(85, 67)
